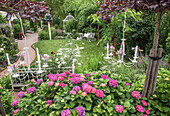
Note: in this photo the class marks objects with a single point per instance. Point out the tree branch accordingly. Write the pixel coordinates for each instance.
(16, 3)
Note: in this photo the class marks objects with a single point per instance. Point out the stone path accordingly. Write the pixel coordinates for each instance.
(31, 39)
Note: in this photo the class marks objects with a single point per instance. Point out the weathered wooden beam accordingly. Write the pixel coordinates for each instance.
(156, 70)
(2, 110)
(148, 72)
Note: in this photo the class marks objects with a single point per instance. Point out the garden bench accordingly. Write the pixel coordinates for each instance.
(89, 36)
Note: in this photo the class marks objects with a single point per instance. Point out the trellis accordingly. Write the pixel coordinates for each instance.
(19, 76)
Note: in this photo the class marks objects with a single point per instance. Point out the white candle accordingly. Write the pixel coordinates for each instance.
(8, 59)
(136, 50)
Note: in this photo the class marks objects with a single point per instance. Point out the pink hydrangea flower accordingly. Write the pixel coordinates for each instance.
(90, 82)
(103, 85)
(21, 94)
(93, 73)
(144, 115)
(17, 110)
(99, 93)
(63, 75)
(87, 75)
(50, 83)
(127, 84)
(57, 84)
(39, 81)
(61, 78)
(49, 102)
(139, 108)
(83, 94)
(65, 112)
(144, 103)
(75, 80)
(105, 77)
(76, 88)
(14, 103)
(31, 90)
(136, 94)
(113, 83)
(73, 92)
(119, 108)
(147, 111)
(80, 110)
(62, 85)
(73, 75)
(67, 72)
(93, 90)
(50, 76)
(86, 87)
(82, 79)
(54, 78)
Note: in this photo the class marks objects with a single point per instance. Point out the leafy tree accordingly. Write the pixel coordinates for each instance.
(27, 9)
(110, 7)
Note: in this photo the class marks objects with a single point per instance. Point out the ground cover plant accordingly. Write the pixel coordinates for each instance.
(81, 94)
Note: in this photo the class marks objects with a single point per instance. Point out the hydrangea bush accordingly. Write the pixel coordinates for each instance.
(68, 94)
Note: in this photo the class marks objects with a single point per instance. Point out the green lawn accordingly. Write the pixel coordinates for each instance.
(91, 55)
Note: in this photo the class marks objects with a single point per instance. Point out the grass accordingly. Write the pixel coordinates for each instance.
(91, 55)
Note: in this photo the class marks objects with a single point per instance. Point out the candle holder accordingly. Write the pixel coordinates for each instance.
(45, 58)
(15, 71)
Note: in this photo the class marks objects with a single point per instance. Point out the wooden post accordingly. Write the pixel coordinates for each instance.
(148, 72)
(156, 70)
(2, 110)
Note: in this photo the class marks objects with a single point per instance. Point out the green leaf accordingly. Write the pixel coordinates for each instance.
(108, 97)
(58, 106)
(88, 105)
(110, 109)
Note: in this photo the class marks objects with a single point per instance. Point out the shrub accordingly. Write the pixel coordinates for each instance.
(45, 28)
(6, 98)
(95, 93)
(43, 35)
(160, 101)
(70, 25)
(17, 30)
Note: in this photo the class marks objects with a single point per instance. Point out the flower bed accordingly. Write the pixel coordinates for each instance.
(68, 94)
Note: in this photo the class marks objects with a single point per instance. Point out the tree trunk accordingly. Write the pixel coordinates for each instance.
(150, 80)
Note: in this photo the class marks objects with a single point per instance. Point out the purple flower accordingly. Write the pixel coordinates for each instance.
(80, 110)
(90, 82)
(76, 88)
(73, 92)
(65, 112)
(86, 75)
(50, 83)
(21, 94)
(31, 90)
(14, 103)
